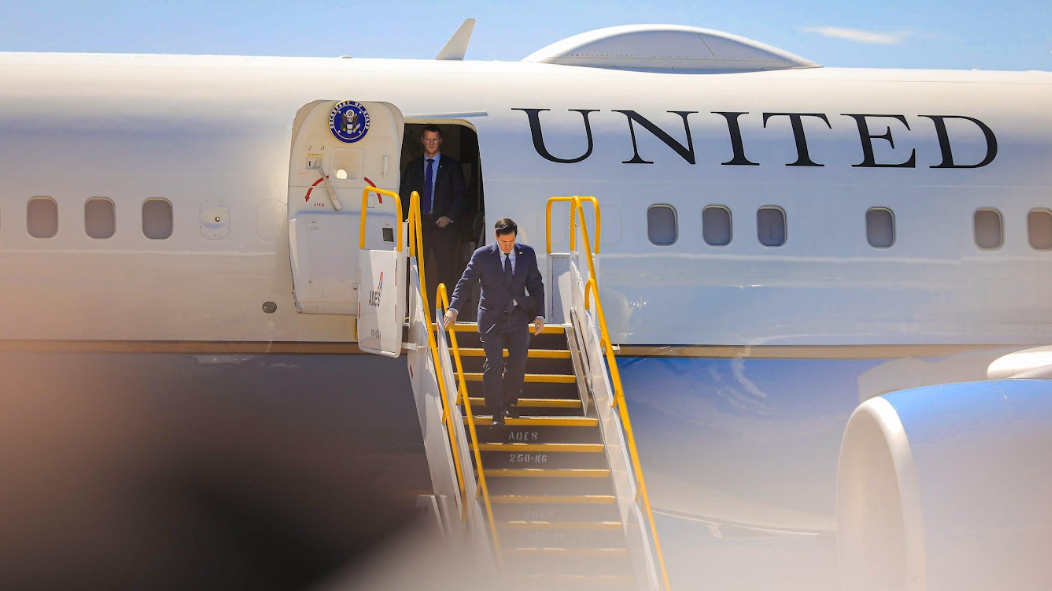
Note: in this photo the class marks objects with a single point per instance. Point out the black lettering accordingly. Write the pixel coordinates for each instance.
(736, 139)
(868, 159)
(538, 136)
(687, 153)
(944, 141)
(803, 158)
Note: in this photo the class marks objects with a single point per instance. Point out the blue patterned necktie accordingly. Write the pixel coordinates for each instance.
(429, 174)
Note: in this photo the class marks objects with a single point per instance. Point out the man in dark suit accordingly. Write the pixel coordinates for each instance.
(512, 294)
(440, 181)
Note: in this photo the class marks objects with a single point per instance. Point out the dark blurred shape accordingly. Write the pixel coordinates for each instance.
(135, 471)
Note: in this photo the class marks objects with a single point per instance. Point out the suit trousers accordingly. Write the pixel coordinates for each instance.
(443, 242)
(502, 377)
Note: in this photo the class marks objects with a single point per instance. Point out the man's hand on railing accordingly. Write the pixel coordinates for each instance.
(449, 318)
(538, 324)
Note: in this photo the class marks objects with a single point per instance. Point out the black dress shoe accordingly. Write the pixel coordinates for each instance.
(498, 420)
(512, 412)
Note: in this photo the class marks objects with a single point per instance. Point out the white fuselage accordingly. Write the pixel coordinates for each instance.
(727, 441)
(194, 129)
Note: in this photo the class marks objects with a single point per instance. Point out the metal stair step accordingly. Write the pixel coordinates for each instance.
(535, 421)
(539, 434)
(525, 511)
(542, 447)
(575, 552)
(550, 486)
(474, 327)
(562, 538)
(533, 353)
(523, 459)
(564, 390)
(561, 525)
(536, 403)
(552, 337)
(556, 499)
(544, 378)
(546, 473)
(541, 358)
(555, 581)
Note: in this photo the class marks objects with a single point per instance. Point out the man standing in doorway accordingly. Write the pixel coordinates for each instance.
(439, 180)
(512, 294)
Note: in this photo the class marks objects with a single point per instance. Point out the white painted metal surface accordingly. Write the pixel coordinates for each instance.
(326, 179)
(666, 47)
(740, 451)
(911, 512)
(381, 301)
(824, 286)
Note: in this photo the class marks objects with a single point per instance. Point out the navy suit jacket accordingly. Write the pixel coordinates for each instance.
(448, 199)
(486, 267)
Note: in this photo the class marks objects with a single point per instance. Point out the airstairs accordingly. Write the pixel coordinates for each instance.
(555, 498)
(548, 476)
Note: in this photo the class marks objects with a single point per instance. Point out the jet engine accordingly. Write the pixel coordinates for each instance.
(948, 488)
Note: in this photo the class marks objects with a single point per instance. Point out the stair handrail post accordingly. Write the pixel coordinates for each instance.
(365, 211)
(416, 250)
(573, 227)
(443, 300)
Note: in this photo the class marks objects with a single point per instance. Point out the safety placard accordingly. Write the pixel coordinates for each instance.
(381, 301)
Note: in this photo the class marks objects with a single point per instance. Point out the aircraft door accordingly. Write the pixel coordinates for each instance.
(338, 149)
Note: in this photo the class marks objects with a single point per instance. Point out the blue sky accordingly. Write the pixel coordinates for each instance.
(965, 34)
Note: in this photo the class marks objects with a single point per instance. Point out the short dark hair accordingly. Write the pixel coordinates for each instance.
(506, 226)
(432, 128)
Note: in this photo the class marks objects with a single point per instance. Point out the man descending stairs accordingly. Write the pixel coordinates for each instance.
(548, 476)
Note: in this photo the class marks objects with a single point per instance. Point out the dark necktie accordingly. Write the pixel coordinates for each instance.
(507, 278)
(429, 173)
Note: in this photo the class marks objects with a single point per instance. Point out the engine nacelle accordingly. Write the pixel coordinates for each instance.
(948, 488)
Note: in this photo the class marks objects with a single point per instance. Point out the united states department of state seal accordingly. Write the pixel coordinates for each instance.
(348, 121)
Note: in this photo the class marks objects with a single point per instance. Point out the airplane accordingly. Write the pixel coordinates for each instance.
(822, 285)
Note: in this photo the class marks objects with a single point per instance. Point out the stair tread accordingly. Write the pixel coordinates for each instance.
(535, 420)
(560, 525)
(579, 579)
(551, 378)
(474, 327)
(533, 353)
(548, 551)
(548, 472)
(554, 499)
(545, 447)
(537, 402)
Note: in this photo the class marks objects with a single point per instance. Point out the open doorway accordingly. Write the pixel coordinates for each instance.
(459, 142)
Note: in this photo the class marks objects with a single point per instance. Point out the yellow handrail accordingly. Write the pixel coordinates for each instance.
(462, 394)
(573, 227)
(415, 250)
(365, 209)
(592, 289)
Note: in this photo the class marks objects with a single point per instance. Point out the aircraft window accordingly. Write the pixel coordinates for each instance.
(661, 225)
(1039, 229)
(716, 225)
(157, 218)
(100, 221)
(770, 226)
(988, 230)
(880, 227)
(42, 217)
